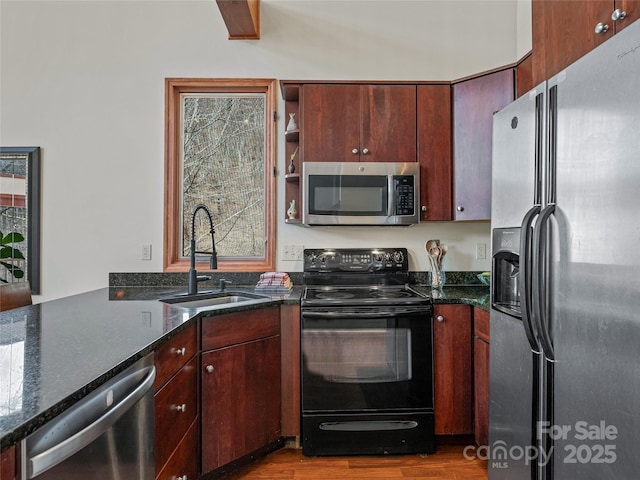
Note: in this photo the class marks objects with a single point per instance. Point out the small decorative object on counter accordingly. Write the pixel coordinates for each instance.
(292, 125)
(436, 253)
(292, 167)
(292, 212)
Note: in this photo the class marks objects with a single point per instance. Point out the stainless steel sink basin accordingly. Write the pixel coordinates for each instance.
(211, 300)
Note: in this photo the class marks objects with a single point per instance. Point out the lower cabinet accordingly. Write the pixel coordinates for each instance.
(8, 464)
(176, 407)
(481, 375)
(240, 383)
(453, 370)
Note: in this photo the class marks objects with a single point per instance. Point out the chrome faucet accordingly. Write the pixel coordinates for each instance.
(193, 274)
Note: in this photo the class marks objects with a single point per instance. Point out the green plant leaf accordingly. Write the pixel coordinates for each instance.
(13, 270)
(10, 252)
(12, 237)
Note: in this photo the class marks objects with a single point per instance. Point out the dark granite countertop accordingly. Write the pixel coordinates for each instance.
(474, 295)
(54, 353)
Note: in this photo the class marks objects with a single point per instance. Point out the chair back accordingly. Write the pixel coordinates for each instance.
(14, 295)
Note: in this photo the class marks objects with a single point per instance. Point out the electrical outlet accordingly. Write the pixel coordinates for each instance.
(481, 251)
(146, 251)
(292, 253)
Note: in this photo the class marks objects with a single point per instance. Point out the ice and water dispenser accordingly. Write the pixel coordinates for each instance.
(505, 284)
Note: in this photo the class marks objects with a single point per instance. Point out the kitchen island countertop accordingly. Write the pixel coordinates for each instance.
(54, 353)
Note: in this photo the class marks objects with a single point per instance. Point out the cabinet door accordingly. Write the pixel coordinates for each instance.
(434, 151)
(481, 390)
(388, 128)
(330, 128)
(452, 364)
(8, 464)
(240, 400)
(564, 31)
(474, 103)
(351, 123)
(481, 375)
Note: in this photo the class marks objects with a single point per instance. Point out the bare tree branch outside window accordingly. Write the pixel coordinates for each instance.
(223, 165)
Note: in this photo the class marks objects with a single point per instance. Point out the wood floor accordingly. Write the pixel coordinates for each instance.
(289, 464)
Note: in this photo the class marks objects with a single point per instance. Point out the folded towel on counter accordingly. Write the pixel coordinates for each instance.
(277, 282)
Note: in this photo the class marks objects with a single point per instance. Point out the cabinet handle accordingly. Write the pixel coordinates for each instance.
(618, 15)
(365, 151)
(601, 28)
(440, 318)
(424, 208)
(354, 151)
(460, 208)
(181, 408)
(181, 351)
(209, 368)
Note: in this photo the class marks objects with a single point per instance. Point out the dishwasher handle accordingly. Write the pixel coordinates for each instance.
(39, 462)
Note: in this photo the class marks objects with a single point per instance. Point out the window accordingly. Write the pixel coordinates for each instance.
(220, 152)
(20, 216)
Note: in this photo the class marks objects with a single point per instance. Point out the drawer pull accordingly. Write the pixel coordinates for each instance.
(181, 408)
(209, 368)
(181, 351)
(440, 318)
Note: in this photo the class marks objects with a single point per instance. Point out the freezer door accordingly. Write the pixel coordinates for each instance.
(595, 262)
(518, 149)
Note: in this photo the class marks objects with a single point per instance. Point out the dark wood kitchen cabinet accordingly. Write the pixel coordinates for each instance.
(358, 123)
(435, 151)
(565, 30)
(481, 376)
(240, 385)
(8, 464)
(453, 370)
(475, 100)
(176, 406)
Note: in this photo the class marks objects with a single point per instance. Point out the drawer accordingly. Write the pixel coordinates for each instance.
(176, 408)
(183, 462)
(225, 330)
(481, 324)
(175, 352)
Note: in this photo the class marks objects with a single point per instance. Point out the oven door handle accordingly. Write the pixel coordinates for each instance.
(392, 312)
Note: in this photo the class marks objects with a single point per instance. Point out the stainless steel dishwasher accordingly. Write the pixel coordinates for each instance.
(108, 435)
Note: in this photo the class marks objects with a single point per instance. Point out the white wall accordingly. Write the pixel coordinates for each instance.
(85, 81)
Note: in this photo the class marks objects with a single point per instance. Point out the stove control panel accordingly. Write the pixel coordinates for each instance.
(356, 260)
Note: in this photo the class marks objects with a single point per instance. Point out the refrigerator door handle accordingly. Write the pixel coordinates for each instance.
(539, 274)
(526, 232)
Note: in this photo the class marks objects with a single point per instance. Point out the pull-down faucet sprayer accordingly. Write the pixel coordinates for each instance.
(193, 274)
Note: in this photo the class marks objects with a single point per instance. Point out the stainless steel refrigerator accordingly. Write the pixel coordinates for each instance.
(565, 317)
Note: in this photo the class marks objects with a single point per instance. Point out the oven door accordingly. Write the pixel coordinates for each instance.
(376, 359)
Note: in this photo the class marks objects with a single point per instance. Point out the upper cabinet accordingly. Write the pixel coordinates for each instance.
(358, 123)
(563, 31)
(434, 151)
(474, 103)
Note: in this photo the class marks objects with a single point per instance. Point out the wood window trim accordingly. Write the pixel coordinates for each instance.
(174, 87)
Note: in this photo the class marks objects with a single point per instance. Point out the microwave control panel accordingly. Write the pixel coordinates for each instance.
(405, 194)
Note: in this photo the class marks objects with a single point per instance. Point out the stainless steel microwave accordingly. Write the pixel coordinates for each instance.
(360, 193)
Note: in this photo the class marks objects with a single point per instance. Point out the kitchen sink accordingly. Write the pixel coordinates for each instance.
(211, 300)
